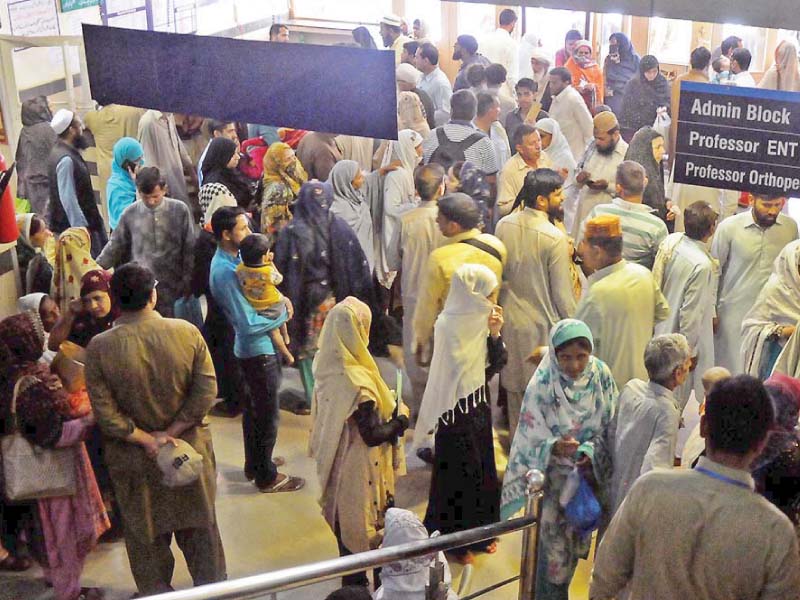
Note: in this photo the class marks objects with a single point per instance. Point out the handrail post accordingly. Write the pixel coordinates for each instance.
(530, 536)
(436, 588)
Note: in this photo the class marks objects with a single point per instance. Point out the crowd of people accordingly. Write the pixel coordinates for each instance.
(520, 226)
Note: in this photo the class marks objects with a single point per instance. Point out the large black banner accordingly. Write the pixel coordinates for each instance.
(734, 138)
(320, 88)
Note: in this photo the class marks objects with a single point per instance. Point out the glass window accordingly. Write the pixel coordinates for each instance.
(429, 11)
(753, 38)
(788, 34)
(670, 40)
(354, 11)
(552, 25)
(609, 23)
(476, 19)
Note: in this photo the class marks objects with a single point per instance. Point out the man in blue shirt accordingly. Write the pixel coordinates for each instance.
(254, 351)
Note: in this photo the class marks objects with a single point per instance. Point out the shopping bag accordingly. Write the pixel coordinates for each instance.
(583, 510)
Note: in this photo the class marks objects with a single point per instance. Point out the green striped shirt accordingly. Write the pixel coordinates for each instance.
(642, 230)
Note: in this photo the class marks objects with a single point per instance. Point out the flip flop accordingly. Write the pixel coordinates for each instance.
(287, 484)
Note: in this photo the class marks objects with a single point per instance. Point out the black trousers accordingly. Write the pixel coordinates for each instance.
(355, 578)
(261, 415)
(219, 336)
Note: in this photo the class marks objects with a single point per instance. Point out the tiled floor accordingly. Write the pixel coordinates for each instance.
(266, 532)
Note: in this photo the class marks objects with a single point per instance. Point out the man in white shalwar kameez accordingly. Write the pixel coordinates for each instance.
(419, 236)
(597, 170)
(623, 302)
(688, 276)
(537, 284)
(746, 246)
(644, 433)
(569, 110)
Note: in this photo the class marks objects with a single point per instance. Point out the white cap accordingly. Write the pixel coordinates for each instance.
(62, 120)
(392, 20)
(407, 74)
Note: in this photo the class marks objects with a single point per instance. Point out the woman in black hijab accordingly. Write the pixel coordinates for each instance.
(219, 166)
(621, 65)
(362, 36)
(647, 148)
(643, 96)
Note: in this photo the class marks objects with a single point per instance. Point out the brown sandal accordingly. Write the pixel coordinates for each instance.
(15, 564)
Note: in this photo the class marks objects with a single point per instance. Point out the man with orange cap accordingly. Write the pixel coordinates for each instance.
(623, 302)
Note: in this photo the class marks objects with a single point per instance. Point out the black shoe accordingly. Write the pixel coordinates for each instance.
(227, 409)
(425, 455)
(293, 401)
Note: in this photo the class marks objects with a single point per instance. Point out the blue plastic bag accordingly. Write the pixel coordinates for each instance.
(583, 511)
(189, 309)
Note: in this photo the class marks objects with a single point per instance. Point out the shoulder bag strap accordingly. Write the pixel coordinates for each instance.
(476, 243)
(18, 389)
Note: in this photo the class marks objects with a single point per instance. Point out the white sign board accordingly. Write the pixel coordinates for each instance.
(33, 17)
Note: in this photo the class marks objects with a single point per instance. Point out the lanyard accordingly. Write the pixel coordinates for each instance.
(722, 478)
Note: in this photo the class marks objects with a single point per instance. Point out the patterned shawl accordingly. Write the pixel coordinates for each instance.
(556, 405)
(293, 175)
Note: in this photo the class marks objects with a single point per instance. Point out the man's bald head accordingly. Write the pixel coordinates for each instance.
(713, 376)
(428, 180)
(460, 209)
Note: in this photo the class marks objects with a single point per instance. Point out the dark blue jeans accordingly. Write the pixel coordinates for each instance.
(261, 413)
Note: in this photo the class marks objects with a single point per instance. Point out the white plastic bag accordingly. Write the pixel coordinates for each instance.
(662, 124)
(570, 487)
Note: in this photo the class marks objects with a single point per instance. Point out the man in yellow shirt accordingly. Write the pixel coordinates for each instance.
(458, 220)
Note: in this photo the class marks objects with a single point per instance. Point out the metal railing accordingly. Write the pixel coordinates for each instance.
(269, 584)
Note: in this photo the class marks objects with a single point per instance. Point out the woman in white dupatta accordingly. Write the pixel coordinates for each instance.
(467, 351)
(556, 147)
(407, 579)
(398, 197)
(772, 319)
(355, 433)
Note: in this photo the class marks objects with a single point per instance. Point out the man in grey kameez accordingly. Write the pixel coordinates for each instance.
(688, 276)
(644, 432)
(158, 233)
(746, 246)
(151, 381)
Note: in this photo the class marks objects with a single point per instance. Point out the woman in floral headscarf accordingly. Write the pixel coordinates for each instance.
(68, 526)
(73, 259)
(567, 408)
(283, 176)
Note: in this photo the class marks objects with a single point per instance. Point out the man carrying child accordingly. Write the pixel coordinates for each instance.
(255, 352)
